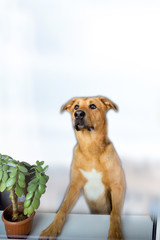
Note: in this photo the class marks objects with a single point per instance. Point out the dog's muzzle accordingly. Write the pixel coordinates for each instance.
(80, 121)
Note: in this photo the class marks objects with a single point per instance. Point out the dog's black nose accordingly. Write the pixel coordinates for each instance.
(79, 114)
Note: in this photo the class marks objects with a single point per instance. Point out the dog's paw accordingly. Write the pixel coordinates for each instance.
(48, 234)
(115, 234)
(54, 229)
(115, 237)
(115, 231)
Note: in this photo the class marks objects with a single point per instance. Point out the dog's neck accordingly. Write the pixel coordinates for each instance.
(91, 142)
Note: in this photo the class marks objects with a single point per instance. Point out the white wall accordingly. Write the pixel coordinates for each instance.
(51, 51)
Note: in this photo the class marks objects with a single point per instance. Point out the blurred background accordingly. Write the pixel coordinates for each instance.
(54, 50)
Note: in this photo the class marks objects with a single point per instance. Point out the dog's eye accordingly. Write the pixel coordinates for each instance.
(92, 106)
(76, 107)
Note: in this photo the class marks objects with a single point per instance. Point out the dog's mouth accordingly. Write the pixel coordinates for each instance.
(80, 125)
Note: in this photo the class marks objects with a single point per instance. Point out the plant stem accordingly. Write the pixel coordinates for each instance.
(14, 205)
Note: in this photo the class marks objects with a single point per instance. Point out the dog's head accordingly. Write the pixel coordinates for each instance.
(88, 113)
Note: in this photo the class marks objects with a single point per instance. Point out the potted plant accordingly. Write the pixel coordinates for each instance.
(21, 179)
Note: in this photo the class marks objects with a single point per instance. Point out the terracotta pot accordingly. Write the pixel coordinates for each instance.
(15, 229)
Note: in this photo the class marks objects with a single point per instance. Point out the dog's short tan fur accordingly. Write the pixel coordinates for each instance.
(94, 158)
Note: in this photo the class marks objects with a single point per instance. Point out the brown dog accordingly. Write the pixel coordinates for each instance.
(96, 167)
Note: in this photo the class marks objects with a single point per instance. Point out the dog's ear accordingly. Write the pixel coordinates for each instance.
(68, 105)
(108, 103)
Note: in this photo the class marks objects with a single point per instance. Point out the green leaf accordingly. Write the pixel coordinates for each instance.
(21, 176)
(13, 173)
(36, 203)
(3, 161)
(32, 188)
(27, 174)
(46, 177)
(37, 194)
(13, 161)
(12, 169)
(1, 173)
(29, 195)
(39, 168)
(33, 167)
(30, 210)
(27, 164)
(41, 188)
(35, 180)
(9, 188)
(27, 203)
(5, 167)
(41, 163)
(46, 168)
(2, 186)
(5, 177)
(22, 169)
(11, 181)
(25, 211)
(19, 191)
(6, 157)
(37, 162)
(37, 175)
(42, 180)
(22, 183)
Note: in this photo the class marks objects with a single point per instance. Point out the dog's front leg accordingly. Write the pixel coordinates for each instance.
(56, 226)
(115, 231)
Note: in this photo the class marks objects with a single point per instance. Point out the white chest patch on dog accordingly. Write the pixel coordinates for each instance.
(94, 188)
